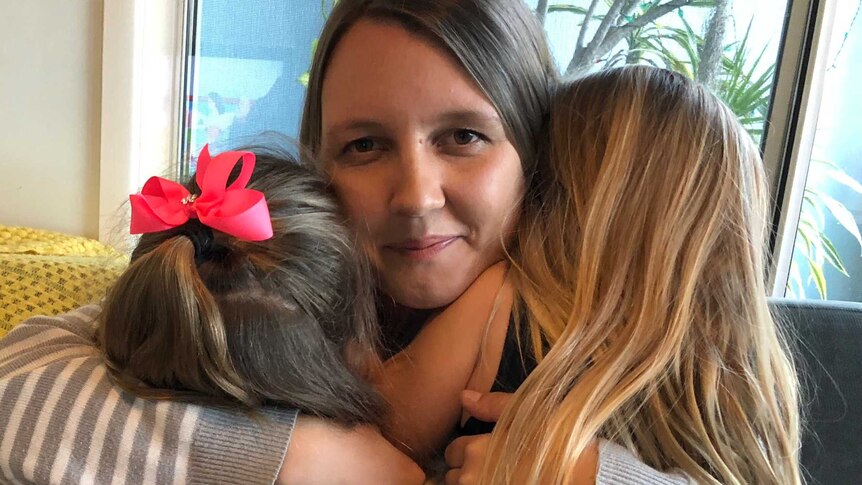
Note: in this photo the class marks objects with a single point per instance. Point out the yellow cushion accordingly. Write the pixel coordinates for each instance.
(48, 273)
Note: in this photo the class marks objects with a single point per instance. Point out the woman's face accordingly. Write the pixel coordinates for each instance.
(420, 159)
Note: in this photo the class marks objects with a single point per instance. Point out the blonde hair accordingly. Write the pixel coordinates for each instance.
(644, 269)
(205, 317)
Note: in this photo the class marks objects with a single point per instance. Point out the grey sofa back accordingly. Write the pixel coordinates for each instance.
(829, 354)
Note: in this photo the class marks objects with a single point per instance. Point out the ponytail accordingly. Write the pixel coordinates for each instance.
(181, 344)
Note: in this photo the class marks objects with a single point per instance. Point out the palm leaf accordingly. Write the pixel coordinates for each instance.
(816, 272)
(843, 215)
(832, 255)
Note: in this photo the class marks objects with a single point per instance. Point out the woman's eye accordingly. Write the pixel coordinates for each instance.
(362, 145)
(465, 137)
(463, 142)
(361, 151)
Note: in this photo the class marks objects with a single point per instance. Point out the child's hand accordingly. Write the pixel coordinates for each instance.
(487, 406)
(466, 455)
(469, 452)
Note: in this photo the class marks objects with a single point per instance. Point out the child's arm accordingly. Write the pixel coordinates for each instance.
(323, 453)
(42, 340)
(423, 383)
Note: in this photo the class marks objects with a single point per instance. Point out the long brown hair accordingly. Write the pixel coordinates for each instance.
(287, 321)
(645, 271)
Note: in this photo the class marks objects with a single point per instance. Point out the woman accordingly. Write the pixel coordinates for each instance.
(435, 165)
(434, 191)
(403, 175)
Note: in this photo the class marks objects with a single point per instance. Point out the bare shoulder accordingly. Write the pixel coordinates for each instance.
(321, 452)
(587, 466)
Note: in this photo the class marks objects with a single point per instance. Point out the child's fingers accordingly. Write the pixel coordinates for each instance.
(485, 407)
(466, 457)
(454, 454)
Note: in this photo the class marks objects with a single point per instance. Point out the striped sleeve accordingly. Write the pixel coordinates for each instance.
(618, 466)
(39, 341)
(63, 421)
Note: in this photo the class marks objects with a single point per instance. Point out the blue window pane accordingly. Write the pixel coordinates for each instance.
(245, 71)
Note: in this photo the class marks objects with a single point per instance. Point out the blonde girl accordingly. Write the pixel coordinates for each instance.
(643, 269)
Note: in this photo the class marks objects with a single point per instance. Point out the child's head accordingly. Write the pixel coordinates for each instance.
(203, 315)
(646, 273)
(646, 166)
(658, 138)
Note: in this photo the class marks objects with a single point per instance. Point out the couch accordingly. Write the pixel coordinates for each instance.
(828, 341)
(48, 273)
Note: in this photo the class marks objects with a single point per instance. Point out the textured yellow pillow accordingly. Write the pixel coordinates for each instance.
(48, 273)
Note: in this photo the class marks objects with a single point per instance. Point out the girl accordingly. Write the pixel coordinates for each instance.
(239, 300)
(256, 297)
(645, 277)
(245, 303)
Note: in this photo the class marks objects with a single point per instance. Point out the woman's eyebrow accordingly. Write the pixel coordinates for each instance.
(457, 117)
(469, 117)
(354, 124)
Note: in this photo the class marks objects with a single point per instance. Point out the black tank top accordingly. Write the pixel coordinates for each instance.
(516, 363)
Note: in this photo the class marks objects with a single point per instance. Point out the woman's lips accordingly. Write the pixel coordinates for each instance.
(422, 249)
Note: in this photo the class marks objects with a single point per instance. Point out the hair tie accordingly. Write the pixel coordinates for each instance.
(202, 239)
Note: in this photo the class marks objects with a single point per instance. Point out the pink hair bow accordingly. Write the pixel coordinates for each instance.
(235, 210)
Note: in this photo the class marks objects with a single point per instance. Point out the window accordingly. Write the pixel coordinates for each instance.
(785, 67)
(240, 84)
(246, 71)
(730, 45)
(827, 249)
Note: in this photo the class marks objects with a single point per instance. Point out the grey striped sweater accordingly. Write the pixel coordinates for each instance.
(618, 466)
(62, 421)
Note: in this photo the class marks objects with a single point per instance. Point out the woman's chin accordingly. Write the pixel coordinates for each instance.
(424, 297)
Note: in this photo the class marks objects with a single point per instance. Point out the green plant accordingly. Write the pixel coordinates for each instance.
(303, 78)
(812, 247)
(742, 82)
(618, 21)
(745, 86)
(324, 11)
(631, 32)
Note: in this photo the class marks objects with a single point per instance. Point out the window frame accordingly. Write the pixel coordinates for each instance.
(141, 125)
(792, 125)
(143, 46)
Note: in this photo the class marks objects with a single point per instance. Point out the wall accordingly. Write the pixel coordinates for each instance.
(50, 101)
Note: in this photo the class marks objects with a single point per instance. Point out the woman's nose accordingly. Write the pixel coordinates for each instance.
(419, 185)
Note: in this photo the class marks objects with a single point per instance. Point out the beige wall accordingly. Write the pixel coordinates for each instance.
(50, 104)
